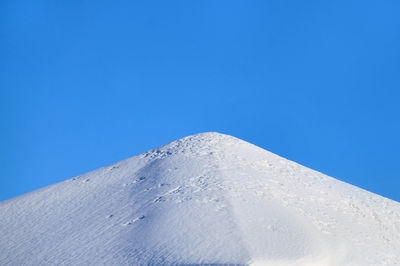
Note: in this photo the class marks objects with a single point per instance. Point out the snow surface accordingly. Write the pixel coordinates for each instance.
(204, 199)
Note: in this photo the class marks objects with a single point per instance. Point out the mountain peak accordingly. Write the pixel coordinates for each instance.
(209, 198)
(207, 143)
(200, 140)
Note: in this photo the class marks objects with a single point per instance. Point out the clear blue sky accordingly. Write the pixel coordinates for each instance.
(84, 84)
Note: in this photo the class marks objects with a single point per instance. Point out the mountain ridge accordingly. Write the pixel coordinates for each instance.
(208, 198)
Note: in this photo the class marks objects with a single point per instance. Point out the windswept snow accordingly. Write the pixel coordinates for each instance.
(204, 199)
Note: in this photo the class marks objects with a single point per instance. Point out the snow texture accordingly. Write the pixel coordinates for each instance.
(204, 199)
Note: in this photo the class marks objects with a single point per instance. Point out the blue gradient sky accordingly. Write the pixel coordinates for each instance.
(84, 84)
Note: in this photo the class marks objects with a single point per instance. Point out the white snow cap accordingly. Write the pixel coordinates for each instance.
(204, 199)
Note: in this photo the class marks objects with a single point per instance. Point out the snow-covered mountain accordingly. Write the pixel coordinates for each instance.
(204, 199)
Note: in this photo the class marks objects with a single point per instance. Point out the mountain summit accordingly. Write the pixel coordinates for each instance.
(204, 199)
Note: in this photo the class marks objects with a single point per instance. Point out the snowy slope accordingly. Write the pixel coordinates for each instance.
(207, 198)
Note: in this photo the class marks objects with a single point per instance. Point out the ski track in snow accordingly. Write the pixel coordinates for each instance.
(207, 199)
